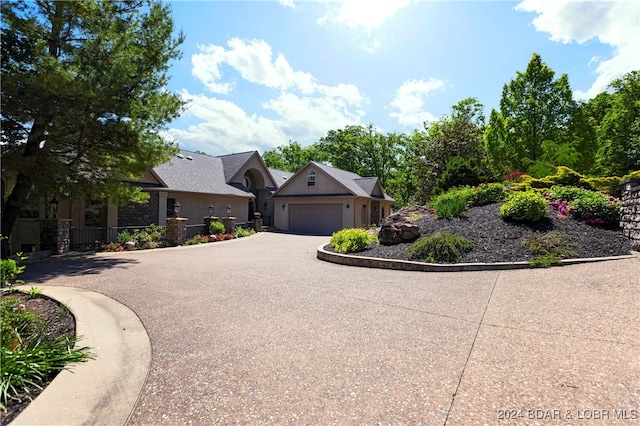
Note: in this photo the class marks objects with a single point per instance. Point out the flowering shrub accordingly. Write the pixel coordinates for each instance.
(595, 208)
(563, 209)
(528, 205)
(197, 239)
(591, 207)
(112, 247)
(149, 237)
(351, 240)
(228, 236)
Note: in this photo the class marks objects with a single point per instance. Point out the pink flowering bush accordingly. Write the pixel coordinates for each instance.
(591, 207)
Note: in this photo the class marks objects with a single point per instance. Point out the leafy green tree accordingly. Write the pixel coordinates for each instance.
(291, 157)
(538, 125)
(457, 135)
(619, 130)
(362, 150)
(83, 97)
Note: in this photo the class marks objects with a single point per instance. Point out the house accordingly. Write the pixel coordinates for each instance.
(319, 199)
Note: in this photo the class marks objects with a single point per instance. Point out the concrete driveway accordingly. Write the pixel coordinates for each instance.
(258, 331)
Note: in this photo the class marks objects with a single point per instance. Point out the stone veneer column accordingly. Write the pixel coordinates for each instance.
(55, 235)
(176, 230)
(207, 223)
(630, 212)
(229, 224)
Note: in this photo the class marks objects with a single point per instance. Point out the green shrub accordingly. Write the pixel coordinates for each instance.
(524, 206)
(124, 237)
(489, 194)
(610, 185)
(566, 176)
(596, 208)
(452, 203)
(549, 249)
(458, 172)
(242, 232)
(545, 261)
(351, 240)
(216, 227)
(439, 247)
(564, 193)
(9, 272)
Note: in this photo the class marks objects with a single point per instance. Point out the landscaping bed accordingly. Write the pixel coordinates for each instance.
(57, 322)
(499, 240)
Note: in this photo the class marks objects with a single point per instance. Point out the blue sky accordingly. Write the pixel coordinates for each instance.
(257, 74)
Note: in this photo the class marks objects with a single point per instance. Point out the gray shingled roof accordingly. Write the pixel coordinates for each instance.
(280, 176)
(357, 185)
(369, 184)
(200, 174)
(234, 162)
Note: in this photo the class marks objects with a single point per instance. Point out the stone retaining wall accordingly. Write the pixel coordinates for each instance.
(630, 212)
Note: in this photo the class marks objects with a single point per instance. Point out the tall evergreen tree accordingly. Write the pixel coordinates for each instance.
(83, 97)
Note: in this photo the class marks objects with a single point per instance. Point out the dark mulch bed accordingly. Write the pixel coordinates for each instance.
(498, 240)
(60, 322)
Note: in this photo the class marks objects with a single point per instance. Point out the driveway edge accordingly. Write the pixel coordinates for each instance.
(102, 391)
(407, 265)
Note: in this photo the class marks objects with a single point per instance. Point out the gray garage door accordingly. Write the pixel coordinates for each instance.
(316, 219)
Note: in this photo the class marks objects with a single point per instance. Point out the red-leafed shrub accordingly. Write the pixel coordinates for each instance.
(514, 175)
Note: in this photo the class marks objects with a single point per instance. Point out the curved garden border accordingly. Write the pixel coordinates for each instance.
(407, 265)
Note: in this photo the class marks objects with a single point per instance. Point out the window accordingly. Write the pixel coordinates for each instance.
(95, 213)
(311, 178)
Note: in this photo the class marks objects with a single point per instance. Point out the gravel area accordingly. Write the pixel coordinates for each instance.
(497, 240)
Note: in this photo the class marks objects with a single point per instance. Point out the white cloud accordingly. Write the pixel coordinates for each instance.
(616, 23)
(253, 60)
(409, 101)
(287, 3)
(366, 14)
(302, 110)
(362, 17)
(206, 68)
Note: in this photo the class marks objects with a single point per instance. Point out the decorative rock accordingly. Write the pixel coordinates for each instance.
(130, 245)
(397, 229)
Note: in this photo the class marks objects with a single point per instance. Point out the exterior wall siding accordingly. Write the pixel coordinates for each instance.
(140, 214)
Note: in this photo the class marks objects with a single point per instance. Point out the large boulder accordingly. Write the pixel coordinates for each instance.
(397, 228)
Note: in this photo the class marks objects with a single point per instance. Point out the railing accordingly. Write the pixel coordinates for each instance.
(91, 238)
(193, 230)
